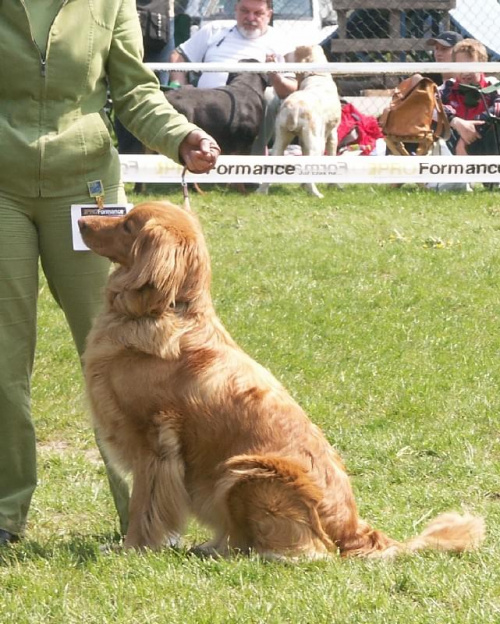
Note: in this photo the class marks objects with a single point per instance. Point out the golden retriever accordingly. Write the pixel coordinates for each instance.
(312, 113)
(203, 428)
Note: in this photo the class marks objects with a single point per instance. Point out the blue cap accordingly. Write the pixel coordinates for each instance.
(448, 38)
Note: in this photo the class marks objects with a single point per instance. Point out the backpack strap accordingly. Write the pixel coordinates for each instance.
(442, 124)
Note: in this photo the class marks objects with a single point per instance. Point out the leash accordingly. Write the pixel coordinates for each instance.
(187, 204)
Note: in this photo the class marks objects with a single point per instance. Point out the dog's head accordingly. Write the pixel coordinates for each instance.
(309, 54)
(257, 80)
(161, 252)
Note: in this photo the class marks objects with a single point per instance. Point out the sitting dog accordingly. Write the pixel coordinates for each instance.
(312, 113)
(202, 427)
(231, 115)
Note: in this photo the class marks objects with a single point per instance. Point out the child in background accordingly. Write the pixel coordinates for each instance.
(469, 115)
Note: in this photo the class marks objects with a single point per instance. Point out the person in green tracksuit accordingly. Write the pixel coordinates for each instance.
(58, 58)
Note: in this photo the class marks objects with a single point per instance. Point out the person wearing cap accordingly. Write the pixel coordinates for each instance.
(442, 46)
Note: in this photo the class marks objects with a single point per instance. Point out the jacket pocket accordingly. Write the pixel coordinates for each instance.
(95, 136)
(83, 146)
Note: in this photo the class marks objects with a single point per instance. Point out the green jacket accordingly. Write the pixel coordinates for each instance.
(54, 133)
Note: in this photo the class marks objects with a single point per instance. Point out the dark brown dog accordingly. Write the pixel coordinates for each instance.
(231, 115)
(202, 427)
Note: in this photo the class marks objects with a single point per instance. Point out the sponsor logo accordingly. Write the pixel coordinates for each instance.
(459, 169)
(103, 212)
(288, 169)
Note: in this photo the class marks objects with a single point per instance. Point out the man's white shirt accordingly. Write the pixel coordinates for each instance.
(213, 44)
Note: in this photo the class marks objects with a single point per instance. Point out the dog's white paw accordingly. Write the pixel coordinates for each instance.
(263, 189)
(312, 189)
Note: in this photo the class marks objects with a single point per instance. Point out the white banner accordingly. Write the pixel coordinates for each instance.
(321, 169)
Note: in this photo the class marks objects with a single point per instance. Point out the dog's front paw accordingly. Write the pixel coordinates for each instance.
(204, 551)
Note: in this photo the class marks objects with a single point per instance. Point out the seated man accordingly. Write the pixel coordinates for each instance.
(470, 116)
(251, 37)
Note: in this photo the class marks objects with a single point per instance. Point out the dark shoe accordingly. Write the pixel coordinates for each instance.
(7, 538)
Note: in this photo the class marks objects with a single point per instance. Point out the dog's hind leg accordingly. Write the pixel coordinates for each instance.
(331, 145)
(331, 141)
(159, 503)
(312, 145)
(272, 508)
(283, 138)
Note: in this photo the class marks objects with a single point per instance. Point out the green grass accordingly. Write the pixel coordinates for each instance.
(378, 308)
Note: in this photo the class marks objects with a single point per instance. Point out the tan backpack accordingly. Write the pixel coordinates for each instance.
(416, 113)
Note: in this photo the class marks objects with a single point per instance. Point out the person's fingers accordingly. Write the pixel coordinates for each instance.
(205, 146)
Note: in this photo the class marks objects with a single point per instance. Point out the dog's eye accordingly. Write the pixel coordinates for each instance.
(126, 226)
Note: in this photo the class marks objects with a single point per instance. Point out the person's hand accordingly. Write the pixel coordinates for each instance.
(466, 128)
(199, 151)
(271, 58)
(461, 148)
(283, 85)
(271, 76)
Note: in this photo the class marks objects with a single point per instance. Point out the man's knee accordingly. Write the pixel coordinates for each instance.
(272, 105)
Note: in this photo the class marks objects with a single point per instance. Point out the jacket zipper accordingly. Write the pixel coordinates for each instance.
(43, 57)
(43, 72)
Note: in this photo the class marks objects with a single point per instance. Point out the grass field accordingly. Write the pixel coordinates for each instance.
(378, 308)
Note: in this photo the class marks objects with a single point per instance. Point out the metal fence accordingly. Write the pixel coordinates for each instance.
(356, 27)
(363, 31)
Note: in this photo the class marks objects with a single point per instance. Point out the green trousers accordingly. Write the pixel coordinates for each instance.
(34, 230)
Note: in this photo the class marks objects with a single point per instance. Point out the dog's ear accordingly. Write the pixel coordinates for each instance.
(157, 260)
(167, 267)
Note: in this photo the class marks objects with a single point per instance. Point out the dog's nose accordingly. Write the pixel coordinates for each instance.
(82, 224)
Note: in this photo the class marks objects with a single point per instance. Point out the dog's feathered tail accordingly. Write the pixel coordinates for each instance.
(275, 509)
(451, 532)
